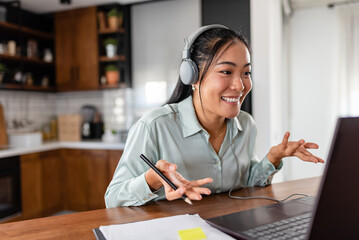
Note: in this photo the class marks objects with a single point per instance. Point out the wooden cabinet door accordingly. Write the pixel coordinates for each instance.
(65, 47)
(41, 184)
(86, 52)
(75, 191)
(97, 179)
(76, 49)
(52, 182)
(86, 179)
(31, 186)
(113, 159)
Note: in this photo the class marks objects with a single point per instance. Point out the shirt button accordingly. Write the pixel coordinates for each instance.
(218, 191)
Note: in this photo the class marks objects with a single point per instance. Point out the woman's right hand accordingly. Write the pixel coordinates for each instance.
(192, 189)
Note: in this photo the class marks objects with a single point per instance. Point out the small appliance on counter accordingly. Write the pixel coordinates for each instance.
(92, 125)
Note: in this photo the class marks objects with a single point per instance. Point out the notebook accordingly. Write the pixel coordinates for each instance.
(333, 214)
(181, 227)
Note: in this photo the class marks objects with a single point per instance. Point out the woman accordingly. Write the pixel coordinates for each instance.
(201, 133)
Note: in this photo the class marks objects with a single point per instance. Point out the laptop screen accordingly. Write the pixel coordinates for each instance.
(336, 214)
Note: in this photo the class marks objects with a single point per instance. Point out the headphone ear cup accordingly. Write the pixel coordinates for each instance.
(188, 72)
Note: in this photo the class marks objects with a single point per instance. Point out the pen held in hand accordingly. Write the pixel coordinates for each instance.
(174, 187)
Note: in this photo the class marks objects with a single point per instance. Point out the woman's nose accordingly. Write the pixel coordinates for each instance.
(237, 84)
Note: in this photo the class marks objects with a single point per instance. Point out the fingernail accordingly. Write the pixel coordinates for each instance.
(181, 191)
(172, 167)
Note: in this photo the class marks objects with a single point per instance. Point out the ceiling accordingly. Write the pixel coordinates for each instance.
(299, 4)
(46, 6)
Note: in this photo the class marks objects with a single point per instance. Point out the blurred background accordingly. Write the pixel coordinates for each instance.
(86, 70)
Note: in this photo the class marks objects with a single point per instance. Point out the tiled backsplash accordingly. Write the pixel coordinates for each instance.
(35, 109)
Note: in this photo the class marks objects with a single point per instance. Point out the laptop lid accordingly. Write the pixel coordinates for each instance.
(336, 214)
(336, 211)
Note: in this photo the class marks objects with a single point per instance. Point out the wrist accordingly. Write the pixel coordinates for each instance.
(152, 180)
(274, 160)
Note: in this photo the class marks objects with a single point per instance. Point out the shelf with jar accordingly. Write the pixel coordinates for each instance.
(26, 53)
(114, 46)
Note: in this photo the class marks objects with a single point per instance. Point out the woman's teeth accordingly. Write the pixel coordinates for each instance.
(230, 99)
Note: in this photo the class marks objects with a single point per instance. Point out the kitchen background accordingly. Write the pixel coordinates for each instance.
(26, 111)
(296, 83)
(294, 68)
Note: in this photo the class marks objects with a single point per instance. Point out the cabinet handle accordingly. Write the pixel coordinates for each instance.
(77, 74)
(72, 74)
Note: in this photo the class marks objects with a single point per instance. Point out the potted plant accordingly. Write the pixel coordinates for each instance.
(112, 74)
(2, 71)
(111, 47)
(112, 17)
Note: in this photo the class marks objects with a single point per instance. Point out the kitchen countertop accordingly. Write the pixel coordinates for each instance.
(47, 146)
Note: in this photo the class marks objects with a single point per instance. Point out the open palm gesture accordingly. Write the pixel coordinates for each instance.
(289, 148)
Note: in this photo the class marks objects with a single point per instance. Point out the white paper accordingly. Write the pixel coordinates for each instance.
(161, 228)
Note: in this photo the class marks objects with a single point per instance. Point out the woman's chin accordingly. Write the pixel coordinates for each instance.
(232, 114)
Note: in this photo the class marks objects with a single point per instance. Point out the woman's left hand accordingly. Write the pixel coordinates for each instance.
(288, 149)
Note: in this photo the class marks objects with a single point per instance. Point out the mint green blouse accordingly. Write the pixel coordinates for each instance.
(173, 133)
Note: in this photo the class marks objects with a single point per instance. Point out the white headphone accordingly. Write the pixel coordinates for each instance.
(189, 69)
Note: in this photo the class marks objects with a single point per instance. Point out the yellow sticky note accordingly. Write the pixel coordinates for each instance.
(192, 234)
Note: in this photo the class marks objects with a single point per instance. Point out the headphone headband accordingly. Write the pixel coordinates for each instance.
(191, 38)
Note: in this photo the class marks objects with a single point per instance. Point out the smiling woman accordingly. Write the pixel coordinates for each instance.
(200, 133)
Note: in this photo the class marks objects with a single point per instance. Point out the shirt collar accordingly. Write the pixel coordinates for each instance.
(190, 124)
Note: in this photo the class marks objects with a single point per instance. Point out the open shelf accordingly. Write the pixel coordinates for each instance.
(113, 59)
(25, 59)
(111, 31)
(25, 30)
(9, 86)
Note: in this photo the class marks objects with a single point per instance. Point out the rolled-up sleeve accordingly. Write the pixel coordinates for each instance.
(261, 173)
(128, 186)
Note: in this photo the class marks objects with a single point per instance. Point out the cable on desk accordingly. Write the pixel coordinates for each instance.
(264, 197)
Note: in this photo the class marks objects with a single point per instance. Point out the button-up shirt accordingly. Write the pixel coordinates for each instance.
(173, 133)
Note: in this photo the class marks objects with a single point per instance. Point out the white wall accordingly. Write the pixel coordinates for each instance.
(312, 69)
(293, 80)
(158, 30)
(269, 88)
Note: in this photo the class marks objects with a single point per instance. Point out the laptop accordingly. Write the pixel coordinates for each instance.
(333, 214)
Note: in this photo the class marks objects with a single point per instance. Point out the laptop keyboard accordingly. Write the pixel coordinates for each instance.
(292, 228)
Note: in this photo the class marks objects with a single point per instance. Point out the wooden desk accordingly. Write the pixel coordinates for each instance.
(80, 225)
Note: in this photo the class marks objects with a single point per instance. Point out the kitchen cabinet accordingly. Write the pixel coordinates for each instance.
(65, 179)
(41, 184)
(31, 186)
(87, 175)
(52, 181)
(75, 185)
(76, 50)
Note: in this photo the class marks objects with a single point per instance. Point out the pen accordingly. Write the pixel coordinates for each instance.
(144, 158)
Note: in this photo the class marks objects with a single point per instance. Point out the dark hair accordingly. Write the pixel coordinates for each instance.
(203, 51)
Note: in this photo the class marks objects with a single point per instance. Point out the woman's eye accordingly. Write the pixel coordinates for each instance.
(248, 73)
(226, 72)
